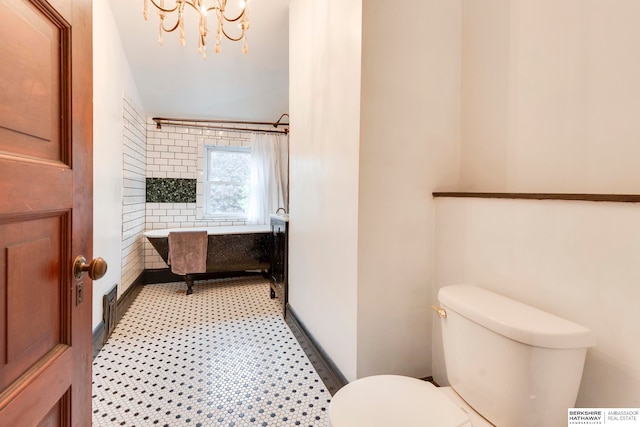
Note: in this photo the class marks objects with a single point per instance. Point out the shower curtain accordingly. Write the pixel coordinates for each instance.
(269, 176)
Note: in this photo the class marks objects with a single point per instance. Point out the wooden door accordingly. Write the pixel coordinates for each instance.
(45, 212)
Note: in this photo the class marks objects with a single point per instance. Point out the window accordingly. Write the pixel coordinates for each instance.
(226, 181)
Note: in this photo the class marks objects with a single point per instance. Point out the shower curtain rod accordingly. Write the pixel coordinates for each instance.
(217, 124)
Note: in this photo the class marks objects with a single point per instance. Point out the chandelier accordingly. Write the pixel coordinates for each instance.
(204, 8)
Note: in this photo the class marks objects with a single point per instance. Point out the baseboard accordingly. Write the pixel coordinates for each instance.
(430, 379)
(98, 339)
(122, 305)
(328, 371)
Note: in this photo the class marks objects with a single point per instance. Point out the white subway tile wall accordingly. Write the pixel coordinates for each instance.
(133, 194)
(178, 152)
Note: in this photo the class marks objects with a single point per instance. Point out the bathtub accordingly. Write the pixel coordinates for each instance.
(229, 249)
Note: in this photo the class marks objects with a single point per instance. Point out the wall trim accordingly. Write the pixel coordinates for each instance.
(621, 198)
(430, 379)
(122, 305)
(324, 366)
(97, 339)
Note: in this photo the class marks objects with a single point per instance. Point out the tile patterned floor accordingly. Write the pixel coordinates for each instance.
(220, 357)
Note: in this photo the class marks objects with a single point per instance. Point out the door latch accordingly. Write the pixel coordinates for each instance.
(79, 292)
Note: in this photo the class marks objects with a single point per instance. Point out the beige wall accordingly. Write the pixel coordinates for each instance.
(550, 96)
(550, 103)
(577, 260)
(324, 102)
(409, 141)
(370, 141)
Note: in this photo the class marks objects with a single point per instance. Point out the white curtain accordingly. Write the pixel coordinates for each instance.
(269, 176)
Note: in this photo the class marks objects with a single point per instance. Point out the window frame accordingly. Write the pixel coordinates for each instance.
(206, 183)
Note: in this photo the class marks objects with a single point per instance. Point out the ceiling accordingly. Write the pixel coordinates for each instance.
(174, 81)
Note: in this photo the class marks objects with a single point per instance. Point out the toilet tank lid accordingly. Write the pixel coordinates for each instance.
(513, 319)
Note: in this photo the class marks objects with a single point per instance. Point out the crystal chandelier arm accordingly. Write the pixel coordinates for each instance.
(199, 9)
(173, 9)
(163, 11)
(233, 39)
(244, 23)
(169, 30)
(234, 19)
(212, 8)
(222, 5)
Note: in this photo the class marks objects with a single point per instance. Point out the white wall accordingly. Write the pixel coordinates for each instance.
(409, 143)
(324, 102)
(112, 82)
(578, 260)
(550, 96)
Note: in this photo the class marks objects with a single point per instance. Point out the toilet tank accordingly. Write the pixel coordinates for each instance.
(514, 364)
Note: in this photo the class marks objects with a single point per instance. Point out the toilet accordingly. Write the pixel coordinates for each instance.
(509, 364)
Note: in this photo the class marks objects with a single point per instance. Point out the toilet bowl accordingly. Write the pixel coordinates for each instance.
(509, 365)
(393, 400)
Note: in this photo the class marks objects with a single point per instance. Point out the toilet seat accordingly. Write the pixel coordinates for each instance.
(393, 400)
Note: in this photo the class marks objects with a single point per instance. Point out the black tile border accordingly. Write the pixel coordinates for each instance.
(623, 198)
(322, 363)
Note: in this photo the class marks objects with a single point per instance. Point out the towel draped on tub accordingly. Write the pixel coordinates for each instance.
(187, 253)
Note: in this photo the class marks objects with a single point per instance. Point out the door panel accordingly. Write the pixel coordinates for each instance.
(29, 400)
(45, 212)
(34, 315)
(35, 38)
(55, 416)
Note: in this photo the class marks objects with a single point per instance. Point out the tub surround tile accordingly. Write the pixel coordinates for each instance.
(133, 197)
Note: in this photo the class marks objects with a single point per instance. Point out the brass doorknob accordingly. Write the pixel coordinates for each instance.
(96, 268)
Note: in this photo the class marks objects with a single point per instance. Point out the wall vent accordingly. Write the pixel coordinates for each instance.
(109, 304)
